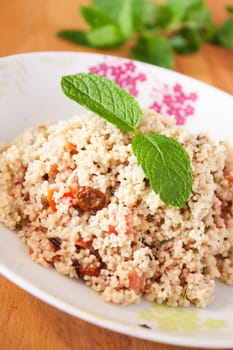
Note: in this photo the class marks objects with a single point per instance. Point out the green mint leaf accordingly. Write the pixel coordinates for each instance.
(200, 20)
(94, 16)
(104, 97)
(209, 32)
(198, 17)
(112, 8)
(167, 166)
(165, 18)
(179, 42)
(74, 36)
(225, 34)
(180, 7)
(108, 36)
(186, 41)
(179, 10)
(157, 16)
(120, 11)
(151, 10)
(155, 49)
(125, 18)
(138, 13)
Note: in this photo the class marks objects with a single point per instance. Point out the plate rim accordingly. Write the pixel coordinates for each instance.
(109, 324)
(97, 54)
(83, 314)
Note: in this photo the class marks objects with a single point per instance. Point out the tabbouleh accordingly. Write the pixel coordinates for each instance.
(75, 195)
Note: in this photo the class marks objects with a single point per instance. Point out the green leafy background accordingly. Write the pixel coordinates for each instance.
(157, 30)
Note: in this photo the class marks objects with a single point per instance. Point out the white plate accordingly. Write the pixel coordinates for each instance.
(30, 93)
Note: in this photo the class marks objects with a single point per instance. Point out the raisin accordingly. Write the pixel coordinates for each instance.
(89, 198)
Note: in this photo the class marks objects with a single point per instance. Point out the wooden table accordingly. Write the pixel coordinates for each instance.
(30, 25)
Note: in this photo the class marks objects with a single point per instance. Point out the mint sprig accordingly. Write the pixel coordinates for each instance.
(156, 30)
(163, 159)
(104, 97)
(167, 166)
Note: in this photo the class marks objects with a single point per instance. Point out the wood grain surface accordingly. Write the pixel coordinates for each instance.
(30, 25)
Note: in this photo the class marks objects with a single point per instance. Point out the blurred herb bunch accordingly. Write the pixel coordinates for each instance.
(157, 30)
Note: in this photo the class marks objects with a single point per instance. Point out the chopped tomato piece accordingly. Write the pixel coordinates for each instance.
(71, 148)
(136, 282)
(84, 244)
(92, 270)
(229, 178)
(71, 193)
(30, 250)
(54, 169)
(51, 201)
(112, 229)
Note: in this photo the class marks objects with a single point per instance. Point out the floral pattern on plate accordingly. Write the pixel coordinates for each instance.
(164, 98)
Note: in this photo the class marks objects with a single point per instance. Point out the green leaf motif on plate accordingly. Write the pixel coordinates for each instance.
(175, 319)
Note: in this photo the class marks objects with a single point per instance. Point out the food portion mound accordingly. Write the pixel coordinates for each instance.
(75, 195)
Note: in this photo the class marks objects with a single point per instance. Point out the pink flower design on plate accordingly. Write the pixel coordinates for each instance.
(164, 98)
(174, 101)
(125, 74)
